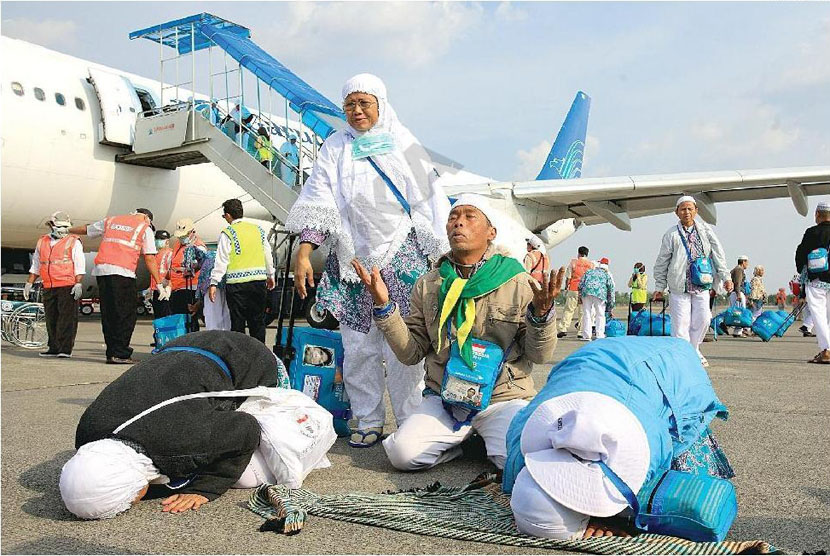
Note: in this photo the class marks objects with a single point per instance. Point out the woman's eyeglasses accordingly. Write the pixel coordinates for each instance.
(364, 105)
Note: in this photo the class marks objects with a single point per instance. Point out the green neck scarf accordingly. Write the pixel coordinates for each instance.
(458, 294)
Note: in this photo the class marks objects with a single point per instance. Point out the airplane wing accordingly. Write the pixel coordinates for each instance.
(617, 200)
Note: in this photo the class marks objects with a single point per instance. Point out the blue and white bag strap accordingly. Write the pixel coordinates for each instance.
(683, 241)
(210, 355)
(392, 187)
(622, 486)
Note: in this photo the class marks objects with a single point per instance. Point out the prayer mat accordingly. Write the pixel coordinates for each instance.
(478, 512)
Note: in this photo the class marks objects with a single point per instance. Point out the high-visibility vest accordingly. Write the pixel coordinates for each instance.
(540, 265)
(263, 148)
(578, 268)
(123, 240)
(246, 262)
(57, 269)
(178, 280)
(163, 260)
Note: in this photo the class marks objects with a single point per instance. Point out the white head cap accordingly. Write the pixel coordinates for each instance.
(60, 219)
(372, 84)
(823, 206)
(566, 434)
(685, 199)
(103, 478)
(183, 227)
(539, 515)
(535, 242)
(481, 203)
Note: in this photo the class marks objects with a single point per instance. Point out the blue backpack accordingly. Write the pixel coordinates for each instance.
(316, 370)
(614, 328)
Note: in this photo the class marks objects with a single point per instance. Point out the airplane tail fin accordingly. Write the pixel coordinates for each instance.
(565, 157)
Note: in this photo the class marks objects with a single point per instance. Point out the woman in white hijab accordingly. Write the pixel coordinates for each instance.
(372, 195)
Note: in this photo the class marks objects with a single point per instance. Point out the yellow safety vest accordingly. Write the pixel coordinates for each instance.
(246, 262)
(263, 148)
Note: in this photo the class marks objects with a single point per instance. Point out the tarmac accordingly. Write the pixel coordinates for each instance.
(777, 439)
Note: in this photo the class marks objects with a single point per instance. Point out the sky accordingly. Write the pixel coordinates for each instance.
(675, 87)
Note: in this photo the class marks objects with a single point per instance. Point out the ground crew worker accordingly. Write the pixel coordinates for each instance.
(163, 259)
(59, 261)
(124, 238)
(576, 269)
(188, 253)
(536, 262)
(243, 257)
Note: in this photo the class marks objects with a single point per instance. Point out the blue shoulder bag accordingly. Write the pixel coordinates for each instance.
(817, 261)
(702, 273)
(695, 507)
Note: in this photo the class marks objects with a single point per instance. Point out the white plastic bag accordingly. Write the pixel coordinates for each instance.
(296, 433)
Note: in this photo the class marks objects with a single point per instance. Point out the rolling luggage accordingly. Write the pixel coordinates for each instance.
(649, 323)
(737, 316)
(775, 323)
(313, 357)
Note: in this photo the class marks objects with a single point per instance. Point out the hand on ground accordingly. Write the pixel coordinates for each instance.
(182, 502)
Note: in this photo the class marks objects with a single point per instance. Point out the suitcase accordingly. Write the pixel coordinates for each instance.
(313, 356)
(775, 323)
(649, 323)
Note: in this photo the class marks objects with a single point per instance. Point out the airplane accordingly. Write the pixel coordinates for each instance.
(55, 156)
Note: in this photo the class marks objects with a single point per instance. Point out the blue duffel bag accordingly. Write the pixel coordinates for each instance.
(767, 324)
(169, 328)
(737, 316)
(614, 328)
(316, 370)
(655, 324)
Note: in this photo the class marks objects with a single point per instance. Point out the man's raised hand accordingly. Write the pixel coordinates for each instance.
(373, 282)
(546, 293)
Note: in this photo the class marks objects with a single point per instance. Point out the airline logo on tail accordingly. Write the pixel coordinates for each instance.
(565, 158)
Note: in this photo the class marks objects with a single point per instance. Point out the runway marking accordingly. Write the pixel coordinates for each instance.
(58, 386)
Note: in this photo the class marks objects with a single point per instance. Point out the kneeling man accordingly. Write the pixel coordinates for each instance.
(479, 322)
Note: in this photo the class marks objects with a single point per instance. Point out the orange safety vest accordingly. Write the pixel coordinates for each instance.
(57, 269)
(541, 264)
(578, 268)
(177, 270)
(163, 258)
(123, 240)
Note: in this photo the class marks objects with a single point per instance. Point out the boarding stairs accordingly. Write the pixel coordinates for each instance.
(182, 137)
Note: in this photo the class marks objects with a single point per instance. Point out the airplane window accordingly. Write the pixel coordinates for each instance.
(79, 103)
(39, 94)
(17, 88)
(60, 99)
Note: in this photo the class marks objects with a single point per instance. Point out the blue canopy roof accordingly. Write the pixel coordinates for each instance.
(318, 113)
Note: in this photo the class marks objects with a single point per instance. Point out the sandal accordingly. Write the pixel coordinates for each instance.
(366, 438)
(819, 359)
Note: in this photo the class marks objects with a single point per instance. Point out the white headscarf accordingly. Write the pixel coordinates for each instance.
(103, 478)
(348, 199)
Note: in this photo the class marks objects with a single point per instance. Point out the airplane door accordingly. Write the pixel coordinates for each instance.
(120, 107)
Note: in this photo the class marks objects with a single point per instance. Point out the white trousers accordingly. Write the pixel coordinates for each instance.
(593, 314)
(217, 316)
(818, 300)
(690, 316)
(427, 438)
(807, 318)
(737, 298)
(365, 380)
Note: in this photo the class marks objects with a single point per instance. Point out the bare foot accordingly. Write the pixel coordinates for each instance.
(603, 528)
